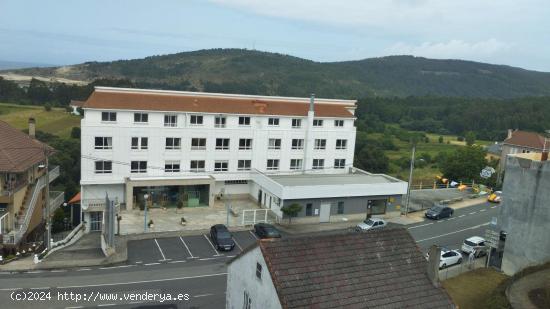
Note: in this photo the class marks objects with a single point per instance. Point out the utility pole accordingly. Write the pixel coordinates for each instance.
(48, 215)
(410, 180)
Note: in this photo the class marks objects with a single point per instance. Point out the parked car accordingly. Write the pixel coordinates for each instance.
(221, 237)
(371, 224)
(438, 212)
(474, 244)
(448, 258)
(264, 230)
(495, 197)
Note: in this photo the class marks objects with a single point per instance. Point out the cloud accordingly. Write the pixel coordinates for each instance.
(451, 49)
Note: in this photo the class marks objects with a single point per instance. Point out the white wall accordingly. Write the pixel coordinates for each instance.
(115, 191)
(241, 276)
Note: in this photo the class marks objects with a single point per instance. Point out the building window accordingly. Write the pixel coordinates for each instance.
(272, 164)
(140, 143)
(170, 120)
(340, 210)
(244, 165)
(103, 143)
(247, 304)
(318, 164)
(309, 209)
(339, 163)
(222, 143)
(244, 121)
(221, 166)
(317, 122)
(172, 166)
(196, 119)
(259, 270)
(108, 116)
(141, 117)
(173, 143)
(273, 121)
(341, 143)
(198, 143)
(138, 167)
(197, 166)
(297, 144)
(103, 167)
(274, 143)
(296, 123)
(245, 144)
(339, 123)
(219, 121)
(320, 143)
(296, 164)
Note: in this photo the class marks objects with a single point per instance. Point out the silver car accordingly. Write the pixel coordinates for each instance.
(371, 224)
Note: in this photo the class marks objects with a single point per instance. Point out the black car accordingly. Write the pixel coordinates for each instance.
(264, 230)
(222, 239)
(438, 212)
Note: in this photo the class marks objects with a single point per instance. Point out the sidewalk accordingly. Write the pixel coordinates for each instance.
(518, 292)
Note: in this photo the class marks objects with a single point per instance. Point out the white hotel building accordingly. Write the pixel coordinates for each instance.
(187, 148)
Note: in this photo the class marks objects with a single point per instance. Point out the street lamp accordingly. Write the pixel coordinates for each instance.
(146, 197)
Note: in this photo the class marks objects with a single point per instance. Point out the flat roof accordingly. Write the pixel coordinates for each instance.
(330, 179)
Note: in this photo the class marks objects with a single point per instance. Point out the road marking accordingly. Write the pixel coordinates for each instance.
(58, 271)
(83, 269)
(212, 258)
(483, 210)
(121, 266)
(149, 264)
(473, 212)
(161, 253)
(34, 272)
(140, 282)
(75, 307)
(135, 302)
(462, 216)
(174, 262)
(203, 295)
(450, 219)
(105, 305)
(254, 235)
(41, 288)
(231, 256)
(236, 243)
(191, 254)
(454, 232)
(139, 262)
(213, 248)
(413, 227)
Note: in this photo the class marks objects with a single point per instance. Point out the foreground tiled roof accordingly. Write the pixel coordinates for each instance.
(377, 269)
(202, 103)
(526, 139)
(18, 151)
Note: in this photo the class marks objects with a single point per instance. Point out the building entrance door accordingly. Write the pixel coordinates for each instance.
(96, 220)
(260, 197)
(324, 214)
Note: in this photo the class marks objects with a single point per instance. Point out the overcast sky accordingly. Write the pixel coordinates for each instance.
(513, 32)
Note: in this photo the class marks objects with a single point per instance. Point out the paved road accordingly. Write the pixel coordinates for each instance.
(187, 267)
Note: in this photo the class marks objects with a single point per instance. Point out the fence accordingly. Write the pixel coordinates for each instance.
(253, 216)
(436, 185)
(463, 267)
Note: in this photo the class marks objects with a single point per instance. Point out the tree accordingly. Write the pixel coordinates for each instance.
(440, 140)
(291, 210)
(470, 138)
(372, 159)
(48, 107)
(464, 164)
(75, 132)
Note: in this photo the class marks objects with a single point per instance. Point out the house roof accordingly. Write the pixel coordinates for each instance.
(75, 199)
(377, 269)
(156, 100)
(526, 139)
(18, 151)
(76, 103)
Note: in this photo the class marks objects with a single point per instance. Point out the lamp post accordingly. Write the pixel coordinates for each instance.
(146, 197)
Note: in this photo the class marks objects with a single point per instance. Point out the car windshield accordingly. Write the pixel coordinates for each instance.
(469, 243)
(224, 235)
(369, 222)
(271, 231)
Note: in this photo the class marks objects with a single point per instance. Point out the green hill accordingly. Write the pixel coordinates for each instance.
(255, 72)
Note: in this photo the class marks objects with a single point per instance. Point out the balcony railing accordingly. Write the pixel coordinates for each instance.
(12, 187)
(54, 173)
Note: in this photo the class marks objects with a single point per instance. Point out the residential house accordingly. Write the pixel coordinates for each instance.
(520, 142)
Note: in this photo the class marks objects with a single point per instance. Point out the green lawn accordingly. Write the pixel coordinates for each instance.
(57, 121)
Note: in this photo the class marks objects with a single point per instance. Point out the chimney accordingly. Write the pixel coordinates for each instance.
(312, 102)
(544, 156)
(433, 265)
(509, 133)
(32, 127)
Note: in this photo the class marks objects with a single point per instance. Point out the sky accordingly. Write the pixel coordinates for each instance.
(63, 32)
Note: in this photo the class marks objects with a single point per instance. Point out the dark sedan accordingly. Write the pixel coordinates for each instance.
(264, 230)
(439, 212)
(222, 239)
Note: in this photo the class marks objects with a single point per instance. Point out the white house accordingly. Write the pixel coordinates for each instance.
(188, 147)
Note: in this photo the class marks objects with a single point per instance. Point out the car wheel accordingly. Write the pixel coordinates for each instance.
(459, 261)
(443, 266)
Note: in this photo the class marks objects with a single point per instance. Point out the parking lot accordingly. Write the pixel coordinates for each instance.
(184, 248)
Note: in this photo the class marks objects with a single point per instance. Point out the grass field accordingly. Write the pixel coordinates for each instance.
(57, 121)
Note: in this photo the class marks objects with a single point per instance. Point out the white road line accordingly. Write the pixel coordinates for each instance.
(483, 210)
(231, 256)
(161, 253)
(493, 207)
(149, 264)
(454, 232)
(473, 212)
(190, 254)
(105, 305)
(58, 271)
(174, 262)
(212, 258)
(75, 307)
(203, 295)
(413, 227)
(140, 282)
(135, 302)
(121, 266)
(450, 219)
(83, 269)
(35, 272)
(462, 216)
(212, 245)
(236, 243)
(254, 235)
(41, 288)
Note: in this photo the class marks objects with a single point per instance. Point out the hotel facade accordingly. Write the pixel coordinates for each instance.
(186, 149)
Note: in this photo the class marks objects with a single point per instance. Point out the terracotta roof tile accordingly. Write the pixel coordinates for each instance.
(18, 151)
(185, 102)
(378, 269)
(526, 139)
